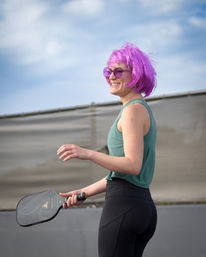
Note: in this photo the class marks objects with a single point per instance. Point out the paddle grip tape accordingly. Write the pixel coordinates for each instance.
(80, 197)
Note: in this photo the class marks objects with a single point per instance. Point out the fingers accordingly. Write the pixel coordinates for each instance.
(65, 194)
(64, 148)
(67, 152)
(72, 200)
(66, 155)
(61, 149)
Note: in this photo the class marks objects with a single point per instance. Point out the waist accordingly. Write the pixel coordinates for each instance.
(118, 187)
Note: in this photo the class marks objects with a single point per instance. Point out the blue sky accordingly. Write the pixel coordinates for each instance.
(52, 52)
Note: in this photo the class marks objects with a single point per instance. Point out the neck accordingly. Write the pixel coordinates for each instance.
(130, 97)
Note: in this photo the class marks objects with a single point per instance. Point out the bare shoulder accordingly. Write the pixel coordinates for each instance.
(135, 110)
(133, 115)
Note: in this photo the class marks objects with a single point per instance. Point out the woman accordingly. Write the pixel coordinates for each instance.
(129, 215)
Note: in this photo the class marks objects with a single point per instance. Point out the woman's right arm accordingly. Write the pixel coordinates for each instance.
(93, 189)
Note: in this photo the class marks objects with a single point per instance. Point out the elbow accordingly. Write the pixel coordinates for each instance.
(135, 169)
(135, 172)
(134, 166)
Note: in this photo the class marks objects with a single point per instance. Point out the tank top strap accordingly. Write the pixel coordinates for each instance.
(137, 100)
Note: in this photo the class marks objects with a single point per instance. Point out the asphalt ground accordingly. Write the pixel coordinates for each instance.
(180, 232)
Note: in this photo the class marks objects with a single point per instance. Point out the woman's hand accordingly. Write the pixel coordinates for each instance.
(70, 151)
(71, 198)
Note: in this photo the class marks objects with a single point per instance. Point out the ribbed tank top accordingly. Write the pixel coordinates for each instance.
(116, 148)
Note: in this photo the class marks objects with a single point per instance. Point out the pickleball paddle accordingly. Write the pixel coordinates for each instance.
(40, 207)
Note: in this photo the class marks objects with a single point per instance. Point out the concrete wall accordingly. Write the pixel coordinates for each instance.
(181, 232)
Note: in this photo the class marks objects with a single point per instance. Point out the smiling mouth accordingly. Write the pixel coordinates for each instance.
(114, 84)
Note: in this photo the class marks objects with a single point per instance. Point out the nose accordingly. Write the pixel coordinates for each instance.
(112, 76)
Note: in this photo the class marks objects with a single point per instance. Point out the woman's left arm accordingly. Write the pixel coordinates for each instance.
(132, 126)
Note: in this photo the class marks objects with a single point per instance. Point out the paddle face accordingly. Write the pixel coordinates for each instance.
(38, 208)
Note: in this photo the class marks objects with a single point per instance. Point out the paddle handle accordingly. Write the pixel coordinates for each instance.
(82, 196)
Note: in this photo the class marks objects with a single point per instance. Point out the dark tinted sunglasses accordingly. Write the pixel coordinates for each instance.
(117, 72)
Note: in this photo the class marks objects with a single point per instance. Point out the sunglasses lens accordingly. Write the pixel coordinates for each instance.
(107, 72)
(118, 73)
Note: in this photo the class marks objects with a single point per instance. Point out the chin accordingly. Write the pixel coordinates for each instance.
(113, 92)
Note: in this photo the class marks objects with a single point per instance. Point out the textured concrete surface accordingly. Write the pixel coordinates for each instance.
(73, 233)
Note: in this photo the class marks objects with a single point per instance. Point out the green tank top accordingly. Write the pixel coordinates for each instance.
(115, 146)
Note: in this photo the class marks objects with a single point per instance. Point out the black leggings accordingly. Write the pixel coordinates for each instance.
(128, 220)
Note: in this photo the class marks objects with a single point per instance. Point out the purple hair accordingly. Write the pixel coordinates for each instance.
(143, 73)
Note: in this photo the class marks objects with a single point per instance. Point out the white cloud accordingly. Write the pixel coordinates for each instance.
(31, 35)
(198, 22)
(176, 73)
(87, 7)
(25, 32)
(161, 6)
(154, 36)
(18, 18)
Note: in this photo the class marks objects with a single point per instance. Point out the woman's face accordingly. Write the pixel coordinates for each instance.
(118, 85)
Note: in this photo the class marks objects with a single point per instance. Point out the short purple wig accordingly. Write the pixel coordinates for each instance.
(143, 73)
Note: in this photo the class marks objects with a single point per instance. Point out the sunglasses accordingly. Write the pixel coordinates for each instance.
(117, 72)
